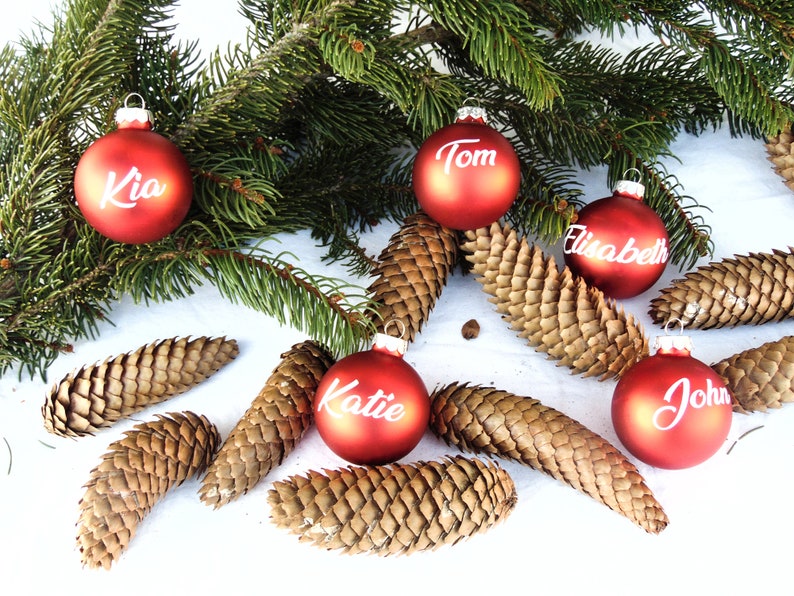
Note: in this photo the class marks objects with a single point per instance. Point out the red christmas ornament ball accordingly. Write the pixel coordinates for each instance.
(466, 175)
(671, 410)
(618, 244)
(372, 407)
(133, 185)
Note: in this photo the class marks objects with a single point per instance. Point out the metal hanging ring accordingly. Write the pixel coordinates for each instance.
(139, 96)
(674, 319)
(639, 174)
(395, 322)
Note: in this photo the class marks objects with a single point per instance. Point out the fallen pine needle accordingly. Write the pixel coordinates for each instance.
(743, 435)
(10, 456)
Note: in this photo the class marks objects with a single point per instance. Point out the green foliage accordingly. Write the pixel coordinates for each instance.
(311, 123)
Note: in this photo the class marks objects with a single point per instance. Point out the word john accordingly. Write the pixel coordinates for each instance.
(680, 396)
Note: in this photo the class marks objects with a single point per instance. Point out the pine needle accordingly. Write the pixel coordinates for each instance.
(743, 435)
(10, 456)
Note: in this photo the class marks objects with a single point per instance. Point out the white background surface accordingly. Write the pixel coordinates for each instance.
(731, 519)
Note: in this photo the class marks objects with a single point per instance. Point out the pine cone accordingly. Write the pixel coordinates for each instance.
(556, 312)
(747, 289)
(97, 396)
(760, 378)
(134, 474)
(271, 428)
(781, 154)
(411, 272)
(486, 420)
(396, 509)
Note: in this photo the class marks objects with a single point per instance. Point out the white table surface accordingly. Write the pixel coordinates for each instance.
(731, 521)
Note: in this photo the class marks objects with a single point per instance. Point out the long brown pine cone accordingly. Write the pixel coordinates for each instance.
(760, 378)
(555, 311)
(396, 509)
(135, 473)
(411, 273)
(99, 395)
(781, 153)
(744, 290)
(270, 429)
(486, 420)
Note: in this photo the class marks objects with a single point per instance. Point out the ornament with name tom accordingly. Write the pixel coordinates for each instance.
(372, 407)
(133, 185)
(671, 410)
(618, 243)
(466, 175)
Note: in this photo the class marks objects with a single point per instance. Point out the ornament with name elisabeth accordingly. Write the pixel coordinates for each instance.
(372, 407)
(133, 185)
(618, 243)
(466, 175)
(671, 410)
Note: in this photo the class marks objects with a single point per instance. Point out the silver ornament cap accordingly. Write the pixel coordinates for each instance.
(134, 115)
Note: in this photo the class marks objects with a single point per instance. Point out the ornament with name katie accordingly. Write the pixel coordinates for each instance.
(372, 407)
(466, 175)
(618, 243)
(671, 410)
(133, 185)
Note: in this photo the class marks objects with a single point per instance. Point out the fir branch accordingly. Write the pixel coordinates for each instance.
(500, 39)
(310, 124)
(547, 200)
(340, 318)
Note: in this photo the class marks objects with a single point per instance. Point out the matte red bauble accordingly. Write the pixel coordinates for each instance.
(466, 175)
(671, 410)
(618, 244)
(372, 407)
(133, 185)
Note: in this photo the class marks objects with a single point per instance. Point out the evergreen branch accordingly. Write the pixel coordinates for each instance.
(255, 83)
(282, 291)
(547, 200)
(767, 25)
(309, 125)
(500, 40)
(95, 277)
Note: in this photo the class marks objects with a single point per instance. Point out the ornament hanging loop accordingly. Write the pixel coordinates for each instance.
(677, 343)
(398, 323)
(626, 173)
(674, 320)
(468, 112)
(138, 117)
(389, 343)
(630, 188)
(134, 94)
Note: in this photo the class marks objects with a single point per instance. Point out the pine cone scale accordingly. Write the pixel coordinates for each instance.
(555, 312)
(747, 289)
(271, 427)
(411, 273)
(546, 440)
(760, 378)
(97, 396)
(135, 473)
(397, 509)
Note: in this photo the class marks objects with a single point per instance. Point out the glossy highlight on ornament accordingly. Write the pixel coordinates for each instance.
(466, 175)
(671, 410)
(372, 407)
(133, 185)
